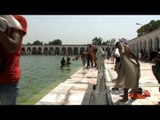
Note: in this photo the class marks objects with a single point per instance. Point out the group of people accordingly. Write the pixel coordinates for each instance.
(126, 65)
(89, 56)
(64, 62)
(14, 27)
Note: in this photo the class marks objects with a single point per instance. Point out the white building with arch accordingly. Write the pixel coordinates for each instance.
(147, 42)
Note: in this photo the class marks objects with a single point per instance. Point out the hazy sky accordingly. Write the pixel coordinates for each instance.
(81, 29)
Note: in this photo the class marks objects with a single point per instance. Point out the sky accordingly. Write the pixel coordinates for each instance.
(81, 29)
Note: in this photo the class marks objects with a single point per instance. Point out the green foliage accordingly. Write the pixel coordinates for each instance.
(148, 27)
(97, 41)
(55, 42)
(28, 43)
(110, 42)
(37, 42)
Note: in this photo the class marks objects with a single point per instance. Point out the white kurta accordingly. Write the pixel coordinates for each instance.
(100, 55)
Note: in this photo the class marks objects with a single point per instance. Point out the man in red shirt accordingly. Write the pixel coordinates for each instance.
(10, 49)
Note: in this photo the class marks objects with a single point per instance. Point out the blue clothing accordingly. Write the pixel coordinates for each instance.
(8, 94)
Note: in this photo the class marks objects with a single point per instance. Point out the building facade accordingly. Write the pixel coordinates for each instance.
(58, 49)
(146, 43)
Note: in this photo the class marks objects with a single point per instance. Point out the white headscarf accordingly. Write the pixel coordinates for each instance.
(100, 53)
(8, 21)
(123, 40)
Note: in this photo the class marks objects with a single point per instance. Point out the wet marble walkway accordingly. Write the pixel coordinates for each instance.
(73, 90)
(147, 82)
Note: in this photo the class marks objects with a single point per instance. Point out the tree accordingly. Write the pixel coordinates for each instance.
(110, 42)
(103, 43)
(55, 42)
(148, 27)
(28, 43)
(107, 42)
(97, 41)
(37, 42)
